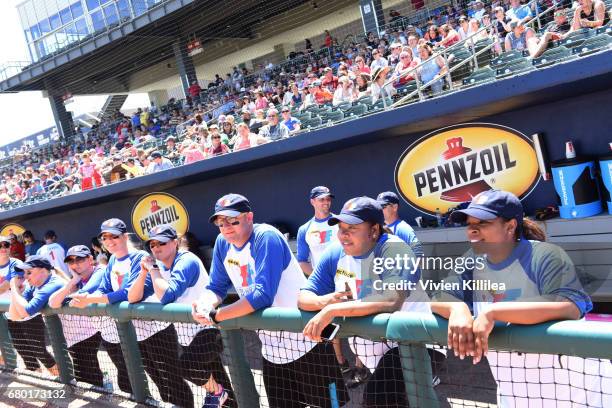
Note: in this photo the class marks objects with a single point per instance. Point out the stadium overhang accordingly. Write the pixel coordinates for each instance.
(104, 63)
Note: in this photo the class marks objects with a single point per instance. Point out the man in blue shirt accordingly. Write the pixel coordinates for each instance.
(292, 123)
(390, 205)
(31, 244)
(518, 12)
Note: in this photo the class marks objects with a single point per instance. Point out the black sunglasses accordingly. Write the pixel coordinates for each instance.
(5, 245)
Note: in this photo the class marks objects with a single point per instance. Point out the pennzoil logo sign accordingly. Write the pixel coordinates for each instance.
(453, 164)
(159, 208)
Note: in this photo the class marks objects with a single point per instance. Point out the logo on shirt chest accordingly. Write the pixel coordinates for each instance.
(247, 274)
(323, 237)
(118, 275)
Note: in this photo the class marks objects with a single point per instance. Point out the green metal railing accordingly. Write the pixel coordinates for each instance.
(413, 331)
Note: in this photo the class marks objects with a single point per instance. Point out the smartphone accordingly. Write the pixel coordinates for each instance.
(149, 262)
(330, 331)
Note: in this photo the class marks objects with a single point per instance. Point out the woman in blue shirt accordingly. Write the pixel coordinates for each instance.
(25, 323)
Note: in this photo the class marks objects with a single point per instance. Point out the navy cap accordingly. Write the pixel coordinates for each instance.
(358, 210)
(80, 251)
(156, 155)
(231, 205)
(320, 191)
(35, 261)
(491, 204)
(113, 226)
(5, 238)
(162, 233)
(387, 197)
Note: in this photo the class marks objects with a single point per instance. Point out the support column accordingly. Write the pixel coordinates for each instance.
(184, 64)
(372, 15)
(63, 118)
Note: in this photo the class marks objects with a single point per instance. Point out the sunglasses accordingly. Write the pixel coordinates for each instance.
(230, 221)
(109, 237)
(154, 245)
(5, 245)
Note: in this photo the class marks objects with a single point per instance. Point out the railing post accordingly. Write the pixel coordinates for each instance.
(448, 74)
(473, 49)
(416, 367)
(239, 370)
(60, 348)
(418, 84)
(133, 360)
(6, 345)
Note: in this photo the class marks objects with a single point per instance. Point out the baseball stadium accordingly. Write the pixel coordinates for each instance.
(298, 203)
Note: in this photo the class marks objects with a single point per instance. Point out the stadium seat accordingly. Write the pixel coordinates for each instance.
(380, 104)
(593, 44)
(605, 29)
(303, 116)
(552, 56)
(506, 58)
(342, 106)
(356, 110)
(480, 76)
(331, 116)
(364, 99)
(513, 68)
(407, 89)
(484, 58)
(577, 37)
(312, 123)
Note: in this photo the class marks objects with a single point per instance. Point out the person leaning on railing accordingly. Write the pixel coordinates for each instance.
(590, 14)
(25, 322)
(256, 260)
(434, 69)
(362, 239)
(82, 333)
(179, 276)
(540, 285)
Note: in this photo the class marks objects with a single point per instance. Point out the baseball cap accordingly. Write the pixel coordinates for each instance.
(491, 204)
(358, 210)
(162, 233)
(35, 261)
(5, 238)
(113, 226)
(170, 138)
(320, 191)
(156, 155)
(80, 251)
(387, 197)
(231, 205)
(214, 126)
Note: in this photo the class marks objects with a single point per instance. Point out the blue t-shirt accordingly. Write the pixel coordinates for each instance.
(183, 274)
(93, 283)
(31, 249)
(115, 284)
(291, 122)
(533, 269)
(38, 297)
(403, 230)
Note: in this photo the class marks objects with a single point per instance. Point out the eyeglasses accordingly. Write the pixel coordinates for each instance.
(109, 237)
(75, 260)
(5, 245)
(227, 222)
(154, 245)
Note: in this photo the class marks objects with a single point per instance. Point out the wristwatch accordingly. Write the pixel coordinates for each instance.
(213, 316)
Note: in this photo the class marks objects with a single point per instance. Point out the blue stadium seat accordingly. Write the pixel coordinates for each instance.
(356, 110)
(593, 44)
(480, 76)
(332, 116)
(552, 56)
(513, 68)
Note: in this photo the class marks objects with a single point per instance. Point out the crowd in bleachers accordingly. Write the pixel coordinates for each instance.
(311, 88)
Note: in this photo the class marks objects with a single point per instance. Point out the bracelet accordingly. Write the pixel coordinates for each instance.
(213, 316)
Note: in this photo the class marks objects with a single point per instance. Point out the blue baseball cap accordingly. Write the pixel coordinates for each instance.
(387, 197)
(358, 210)
(230, 205)
(113, 226)
(320, 191)
(80, 251)
(491, 204)
(34, 261)
(162, 233)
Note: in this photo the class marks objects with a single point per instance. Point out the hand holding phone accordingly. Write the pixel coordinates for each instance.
(330, 331)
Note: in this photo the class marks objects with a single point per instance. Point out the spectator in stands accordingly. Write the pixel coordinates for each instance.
(328, 80)
(71, 186)
(117, 172)
(433, 35)
(363, 82)
(90, 174)
(403, 74)
(518, 38)
(4, 195)
(132, 168)
(479, 10)
(192, 153)
(590, 14)
(274, 130)
(556, 31)
(158, 163)
(321, 95)
(25, 322)
(36, 188)
(393, 58)
(360, 66)
(293, 124)
(261, 102)
(476, 34)
(432, 70)
(450, 36)
(379, 60)
(501, 21)
(379, 89)
(413, 43)
(519, 12)
(136, 119)
(228, 129)
(171, 151)
(345, 92)
(31, 244)
(17, 248)
(216, 147)
(246, 139)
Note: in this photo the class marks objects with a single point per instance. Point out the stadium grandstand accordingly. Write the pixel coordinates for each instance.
(464, 116)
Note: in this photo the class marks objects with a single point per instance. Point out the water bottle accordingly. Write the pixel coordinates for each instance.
(107, 383)
(439, 218)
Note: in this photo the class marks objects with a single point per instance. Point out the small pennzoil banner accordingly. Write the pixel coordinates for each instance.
(159, 208)
(9, 229)
(451, 165)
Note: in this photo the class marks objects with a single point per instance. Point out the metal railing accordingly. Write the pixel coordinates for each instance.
(413, 331)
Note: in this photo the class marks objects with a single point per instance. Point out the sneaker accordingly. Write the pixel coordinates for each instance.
(215, 400)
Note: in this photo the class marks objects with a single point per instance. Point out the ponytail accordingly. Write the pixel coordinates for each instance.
(531, 230)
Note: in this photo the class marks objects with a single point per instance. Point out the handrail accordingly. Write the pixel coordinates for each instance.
(571, 337)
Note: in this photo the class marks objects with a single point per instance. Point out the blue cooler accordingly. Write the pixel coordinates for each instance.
(577, 188)
(605, 164)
